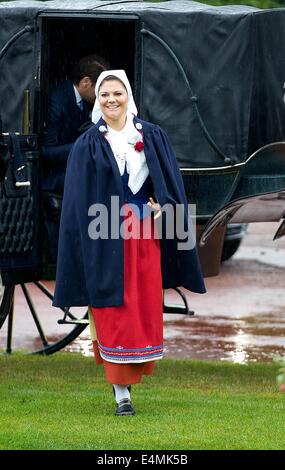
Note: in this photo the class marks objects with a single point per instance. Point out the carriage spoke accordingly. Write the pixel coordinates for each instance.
(48, 293)
(5, 304)
(10, 328)
(34, 315)
(44, 289)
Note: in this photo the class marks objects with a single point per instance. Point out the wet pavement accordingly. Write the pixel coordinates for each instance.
(242, 316)
(240, 319)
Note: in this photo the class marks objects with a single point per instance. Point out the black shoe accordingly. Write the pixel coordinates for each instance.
(125, 408)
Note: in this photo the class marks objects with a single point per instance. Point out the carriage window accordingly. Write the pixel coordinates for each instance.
(65, 40)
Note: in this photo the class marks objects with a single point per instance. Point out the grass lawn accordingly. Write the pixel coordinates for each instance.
(63, 402)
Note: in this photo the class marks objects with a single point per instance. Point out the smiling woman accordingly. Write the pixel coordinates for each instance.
(121, 277)
(113, 99)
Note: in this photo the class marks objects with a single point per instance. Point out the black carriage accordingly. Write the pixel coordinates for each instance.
(212, 77)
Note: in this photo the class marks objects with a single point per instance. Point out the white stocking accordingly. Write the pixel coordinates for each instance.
(121, 392)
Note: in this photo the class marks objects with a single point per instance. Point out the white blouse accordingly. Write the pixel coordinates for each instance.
(122, 144)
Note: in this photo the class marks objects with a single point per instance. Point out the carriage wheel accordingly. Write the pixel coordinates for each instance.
(34, 300)
(52, 334)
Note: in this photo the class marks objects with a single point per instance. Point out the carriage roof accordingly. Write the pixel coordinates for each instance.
(209, 74)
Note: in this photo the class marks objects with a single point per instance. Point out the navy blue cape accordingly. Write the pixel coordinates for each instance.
(91, 272)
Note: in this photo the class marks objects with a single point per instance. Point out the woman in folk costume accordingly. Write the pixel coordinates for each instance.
(123, 169)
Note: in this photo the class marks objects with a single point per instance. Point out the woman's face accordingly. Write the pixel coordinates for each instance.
(113, 100)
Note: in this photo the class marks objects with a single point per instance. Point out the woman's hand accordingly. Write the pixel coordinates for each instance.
(155, 206)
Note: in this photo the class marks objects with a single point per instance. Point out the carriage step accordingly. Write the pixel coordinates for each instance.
(178, 309)
(73, 322)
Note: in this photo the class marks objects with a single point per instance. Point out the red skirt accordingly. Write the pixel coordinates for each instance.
(132, 334)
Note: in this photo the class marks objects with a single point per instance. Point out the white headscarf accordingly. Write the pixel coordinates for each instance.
(121, 75)
(122, 142)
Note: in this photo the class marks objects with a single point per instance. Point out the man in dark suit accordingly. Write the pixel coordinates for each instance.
(69, 107)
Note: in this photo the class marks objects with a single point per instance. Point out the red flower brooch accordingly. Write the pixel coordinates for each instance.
(139, 146)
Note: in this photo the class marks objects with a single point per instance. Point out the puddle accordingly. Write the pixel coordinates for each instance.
(241, 340)
(240, 319)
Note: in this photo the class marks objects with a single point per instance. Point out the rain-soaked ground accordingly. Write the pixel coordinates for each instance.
(242, 316)
(240, 319)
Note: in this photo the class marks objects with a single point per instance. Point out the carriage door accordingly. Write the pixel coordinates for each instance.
(19, 188)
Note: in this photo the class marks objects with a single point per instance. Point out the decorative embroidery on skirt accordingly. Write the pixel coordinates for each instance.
(121, 354)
